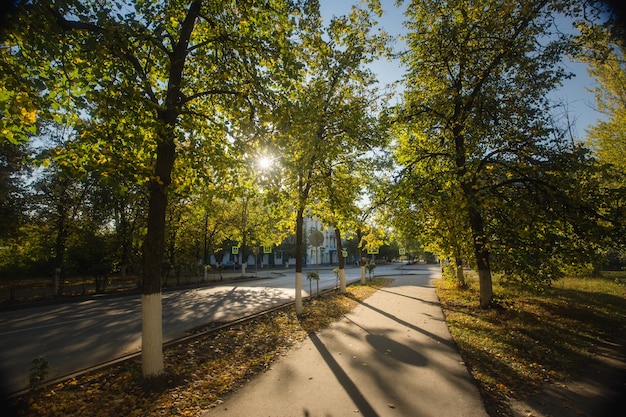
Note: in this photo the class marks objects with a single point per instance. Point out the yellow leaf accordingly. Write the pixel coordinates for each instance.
(29, 116)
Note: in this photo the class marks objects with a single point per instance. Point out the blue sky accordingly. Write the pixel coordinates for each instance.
(579, 102)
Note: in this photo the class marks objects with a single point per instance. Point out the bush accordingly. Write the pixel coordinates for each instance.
(38, 372)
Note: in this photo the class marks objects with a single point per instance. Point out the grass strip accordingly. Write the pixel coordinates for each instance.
(530, 339)
(199, 372)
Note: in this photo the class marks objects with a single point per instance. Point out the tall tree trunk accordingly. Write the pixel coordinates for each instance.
(482, 254)
(153, 254)
(458, 265)
(59, 254)
(124, 234)
(154, 245)
(341, 262)
(362, 258)
(481, 251)
(299, 253)
(205, 252)
(244, 236)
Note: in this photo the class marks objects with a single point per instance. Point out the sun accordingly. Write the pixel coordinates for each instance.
(265, 162)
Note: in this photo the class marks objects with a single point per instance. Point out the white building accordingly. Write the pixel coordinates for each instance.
(327, 252)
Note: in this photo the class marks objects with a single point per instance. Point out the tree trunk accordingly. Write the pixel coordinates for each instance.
(244, 236)
(59, 249)
(341, 263)
(124, 234)
(151, 335)
(362, 260)
(458, 263)
(299, 252)
(154, 244)
(153, 254)
(481, 253)
(205, 252)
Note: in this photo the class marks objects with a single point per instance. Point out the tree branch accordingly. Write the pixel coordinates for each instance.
(212, 92)
(71, 25)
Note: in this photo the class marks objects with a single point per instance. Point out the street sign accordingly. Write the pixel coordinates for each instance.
(267, 249)
(235, 250)
(372, 251)
(344, 253)
(402, 251)
(316, 238)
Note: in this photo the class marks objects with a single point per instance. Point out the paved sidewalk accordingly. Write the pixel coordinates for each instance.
(391, 356)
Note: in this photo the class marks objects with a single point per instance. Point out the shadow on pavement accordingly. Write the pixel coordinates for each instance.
(441, 340)
(353, 391)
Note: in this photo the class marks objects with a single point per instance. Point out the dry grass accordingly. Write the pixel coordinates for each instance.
(530, 339)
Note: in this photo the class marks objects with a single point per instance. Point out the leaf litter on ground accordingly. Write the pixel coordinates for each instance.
(530, 340)
(198, 372)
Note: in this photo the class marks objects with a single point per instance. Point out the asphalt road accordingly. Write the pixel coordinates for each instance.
(77, 335)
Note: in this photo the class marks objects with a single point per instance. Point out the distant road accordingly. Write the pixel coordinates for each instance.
(79, 334)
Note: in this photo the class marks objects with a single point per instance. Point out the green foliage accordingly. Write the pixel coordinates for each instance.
(325, 120)
(313, 276)
(142, 87)
(100, 87)
(606, 64)
(486, 173)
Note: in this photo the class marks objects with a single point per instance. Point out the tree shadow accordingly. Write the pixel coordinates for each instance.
(443, 341)
(365, 408)
(433, 303)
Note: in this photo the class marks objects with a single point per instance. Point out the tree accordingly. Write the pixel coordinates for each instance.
(12, 192)
(608, 67)
(603, 51)
(320, 114)
(62, 195)
(107, 148)
(477, 116)
(347, 179)
(424, 208)
(176, 64)
(341, 190)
